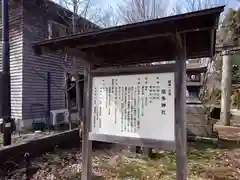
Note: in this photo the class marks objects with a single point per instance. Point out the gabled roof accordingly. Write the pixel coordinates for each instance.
(143, 42)
(59, 12)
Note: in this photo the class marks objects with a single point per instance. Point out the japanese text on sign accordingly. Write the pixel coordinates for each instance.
(140, 106)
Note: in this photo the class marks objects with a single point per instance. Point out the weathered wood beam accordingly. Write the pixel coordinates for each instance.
(86, 143)
(134, 60)
(85, 57)
(109, 42)
(213, 39)
(133, 70)
(178, 41)
(141, 38)
(180, 113)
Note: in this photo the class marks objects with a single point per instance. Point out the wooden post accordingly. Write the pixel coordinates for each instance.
(147, 152)
(1, 84)
(48, 98)
(68, 104)
(180, 113)
(78, 98)
(226, 85)
(86, 143)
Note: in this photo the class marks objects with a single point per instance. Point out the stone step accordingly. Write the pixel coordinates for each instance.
(200, 130)
(196, 109)
(200, 119)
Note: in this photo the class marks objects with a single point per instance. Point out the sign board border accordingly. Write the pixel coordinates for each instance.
(149, 69)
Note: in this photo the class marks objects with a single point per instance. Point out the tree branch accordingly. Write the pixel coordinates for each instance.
(132, 11)
(183, 6)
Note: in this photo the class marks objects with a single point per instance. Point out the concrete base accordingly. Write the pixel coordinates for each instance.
(198, 122)
(26, 124)
(200, 130)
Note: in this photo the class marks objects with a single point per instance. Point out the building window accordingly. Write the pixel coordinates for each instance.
(56, 29)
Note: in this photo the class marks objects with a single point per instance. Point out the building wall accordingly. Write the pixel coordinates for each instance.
(35, 69)
(16, 57)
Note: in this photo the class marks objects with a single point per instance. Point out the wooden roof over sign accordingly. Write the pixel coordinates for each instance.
(143, 42)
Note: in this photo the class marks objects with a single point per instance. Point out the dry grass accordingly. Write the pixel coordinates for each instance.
(204, 164)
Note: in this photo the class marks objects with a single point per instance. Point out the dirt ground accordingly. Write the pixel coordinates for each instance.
(205, 163)
(228, 132)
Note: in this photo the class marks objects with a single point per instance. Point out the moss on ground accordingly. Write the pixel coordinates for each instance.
(205, 163)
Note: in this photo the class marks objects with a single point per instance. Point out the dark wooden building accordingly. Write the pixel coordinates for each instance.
(31, 21)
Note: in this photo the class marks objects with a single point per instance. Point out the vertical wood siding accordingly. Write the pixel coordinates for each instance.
(28, 71)
(35, 69)
(16, 58)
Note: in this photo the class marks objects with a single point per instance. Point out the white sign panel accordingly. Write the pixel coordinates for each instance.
(140, 106)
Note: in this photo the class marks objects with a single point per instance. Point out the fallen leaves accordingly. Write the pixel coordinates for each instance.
(204, 164)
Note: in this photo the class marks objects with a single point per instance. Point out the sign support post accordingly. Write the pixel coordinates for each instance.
(180, 111)
(86, 143)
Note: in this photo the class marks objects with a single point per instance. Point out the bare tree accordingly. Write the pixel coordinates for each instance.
(79, 14)
(107, 18)
(80, 7)
(132, 11)
(184, 6)
(75, 16)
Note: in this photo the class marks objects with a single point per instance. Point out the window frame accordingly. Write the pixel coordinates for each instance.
(50, 28)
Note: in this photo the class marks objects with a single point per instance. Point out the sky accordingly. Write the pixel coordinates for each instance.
(106, 3)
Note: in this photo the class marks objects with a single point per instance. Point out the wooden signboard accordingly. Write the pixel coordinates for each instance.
(141, 106)
(134, 106)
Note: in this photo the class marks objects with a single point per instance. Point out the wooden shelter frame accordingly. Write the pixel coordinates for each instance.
(102, 64)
